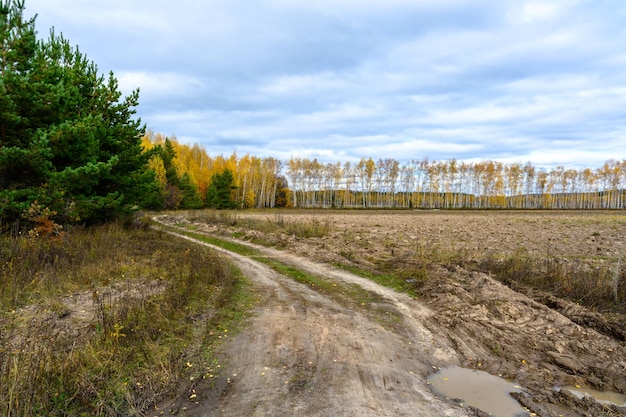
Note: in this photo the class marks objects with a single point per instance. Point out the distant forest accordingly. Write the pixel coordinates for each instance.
(387, 183)
(72, 151)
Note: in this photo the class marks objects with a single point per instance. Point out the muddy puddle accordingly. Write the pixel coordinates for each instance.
(603, 397)
(478, 389)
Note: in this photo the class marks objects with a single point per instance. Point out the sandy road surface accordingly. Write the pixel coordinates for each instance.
(303, 353)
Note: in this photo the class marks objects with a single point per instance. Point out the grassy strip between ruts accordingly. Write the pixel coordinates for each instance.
(110, 320)
(348, 294)
(315, 227)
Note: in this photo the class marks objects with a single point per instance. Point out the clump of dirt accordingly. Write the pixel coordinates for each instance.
(506, 333)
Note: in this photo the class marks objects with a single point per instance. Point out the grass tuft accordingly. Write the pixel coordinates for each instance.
(599, 284)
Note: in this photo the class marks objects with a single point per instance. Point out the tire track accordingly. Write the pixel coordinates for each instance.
(303, 353)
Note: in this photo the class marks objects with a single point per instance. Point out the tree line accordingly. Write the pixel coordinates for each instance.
(190, 178)
(388, 183)
(72, 150)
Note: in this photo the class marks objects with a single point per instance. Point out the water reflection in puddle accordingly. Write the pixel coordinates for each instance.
(478, 389)
(604, 397)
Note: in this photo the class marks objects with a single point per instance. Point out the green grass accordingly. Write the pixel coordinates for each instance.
(397, 282)
(222, 243)
(278, 224)
(348, 294)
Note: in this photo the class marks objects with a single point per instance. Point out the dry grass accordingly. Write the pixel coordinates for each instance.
(599, 284)
(107, 320)
(575, 256)
(596, 283)
(315, 226)
(587, 278)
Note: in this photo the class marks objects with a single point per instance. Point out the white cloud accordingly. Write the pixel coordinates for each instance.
(158, 84)
(534, 80)
(538, 10)
(298, 85)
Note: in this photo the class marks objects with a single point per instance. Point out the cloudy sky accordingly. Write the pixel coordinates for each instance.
(337, 80)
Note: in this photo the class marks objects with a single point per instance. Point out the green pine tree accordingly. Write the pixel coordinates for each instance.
(220, 192)
(191, 197)
(67, 138)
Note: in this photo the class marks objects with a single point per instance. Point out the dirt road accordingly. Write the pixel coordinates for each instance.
(305, 353)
